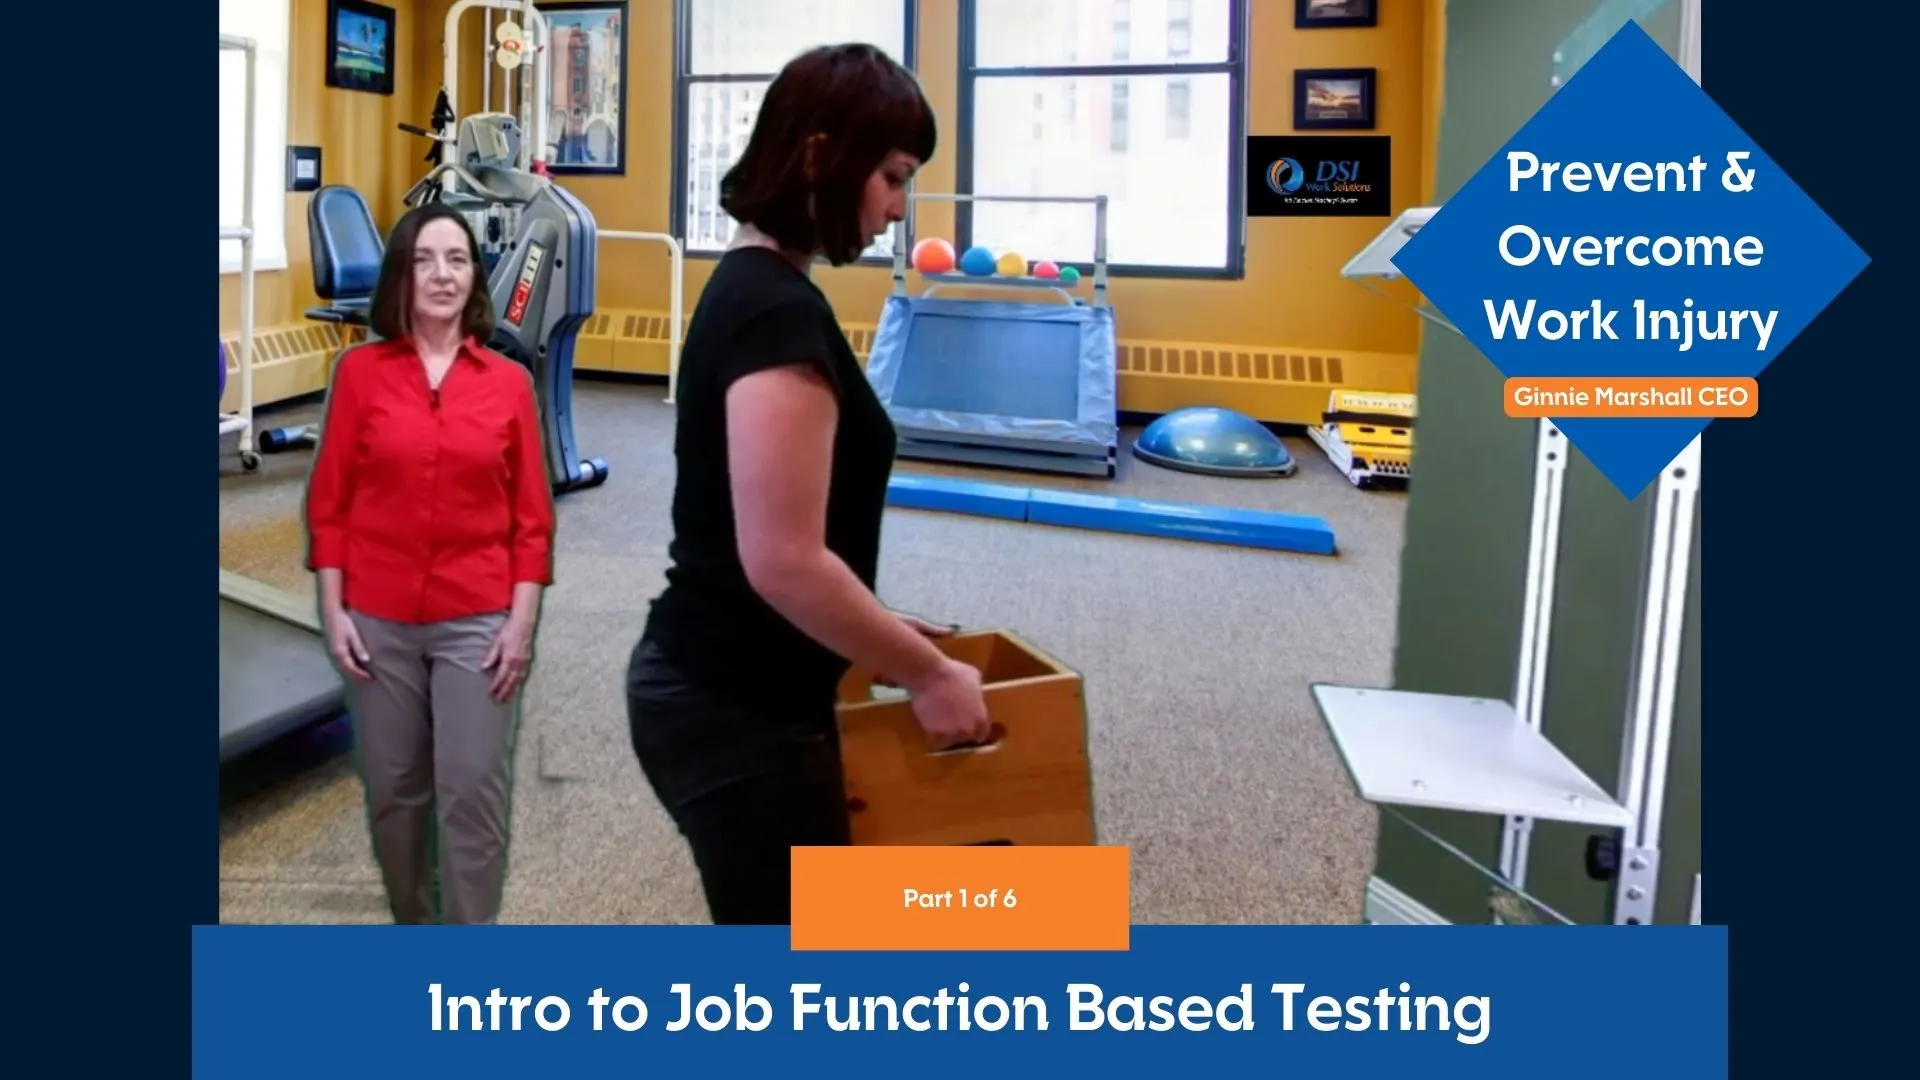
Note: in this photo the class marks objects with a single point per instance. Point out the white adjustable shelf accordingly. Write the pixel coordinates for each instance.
(1375, 261)
(1472, 755)
(1097, 281)
(1024, 281)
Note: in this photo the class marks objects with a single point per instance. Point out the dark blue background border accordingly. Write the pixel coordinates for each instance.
(1806, 580)
(1808, 585)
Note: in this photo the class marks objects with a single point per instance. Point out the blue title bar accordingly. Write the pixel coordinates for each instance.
(476, 1002)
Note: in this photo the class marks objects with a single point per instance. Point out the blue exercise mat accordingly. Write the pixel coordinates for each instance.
(1001, 374)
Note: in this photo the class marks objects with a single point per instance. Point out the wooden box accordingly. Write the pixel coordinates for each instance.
(1031, 783)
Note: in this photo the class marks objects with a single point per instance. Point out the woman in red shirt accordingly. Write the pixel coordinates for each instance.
(430, 525)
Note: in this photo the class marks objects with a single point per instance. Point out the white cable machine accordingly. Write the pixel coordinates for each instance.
(1482, 756)
(240, 422)
(506, 47)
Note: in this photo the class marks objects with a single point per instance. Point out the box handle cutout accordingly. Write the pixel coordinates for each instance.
(995, 735)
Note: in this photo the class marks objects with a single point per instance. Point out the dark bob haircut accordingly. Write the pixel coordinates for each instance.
(392, 315)
(862, 106)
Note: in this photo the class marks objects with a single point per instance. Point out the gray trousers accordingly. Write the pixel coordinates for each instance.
(435, 751)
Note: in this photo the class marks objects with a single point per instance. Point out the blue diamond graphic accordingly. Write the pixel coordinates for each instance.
(1651, 253)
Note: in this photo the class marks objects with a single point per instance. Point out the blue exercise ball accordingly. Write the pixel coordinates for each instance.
(977, 262)
(223, 374)
(1214, 442)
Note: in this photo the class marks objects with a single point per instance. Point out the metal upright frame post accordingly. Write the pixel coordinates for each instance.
(241, 422)
(1656, 676)
(1536, 621)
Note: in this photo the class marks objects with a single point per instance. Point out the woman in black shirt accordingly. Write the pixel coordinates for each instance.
(782, 455)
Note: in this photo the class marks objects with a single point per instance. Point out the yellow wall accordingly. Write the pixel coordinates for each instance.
(359, 147)
(1434, 35)
(1292, 297)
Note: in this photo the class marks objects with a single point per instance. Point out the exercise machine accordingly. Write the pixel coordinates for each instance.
(275, 675)
(1014, 384)
(543, 284)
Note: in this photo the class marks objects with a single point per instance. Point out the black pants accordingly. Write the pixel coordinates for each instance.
(745, 783)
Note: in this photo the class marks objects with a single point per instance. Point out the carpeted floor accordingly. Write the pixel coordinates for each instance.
(1210, 761)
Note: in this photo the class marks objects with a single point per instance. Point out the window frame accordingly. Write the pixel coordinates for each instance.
(272, 135)
(1234, 67)
(683, 83)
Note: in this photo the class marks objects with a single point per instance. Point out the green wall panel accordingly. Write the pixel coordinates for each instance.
(1463, 566)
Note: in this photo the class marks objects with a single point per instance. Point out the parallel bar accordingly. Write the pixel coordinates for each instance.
(678, 302)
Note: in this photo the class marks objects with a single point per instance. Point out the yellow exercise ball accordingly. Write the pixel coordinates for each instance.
(1011, 265)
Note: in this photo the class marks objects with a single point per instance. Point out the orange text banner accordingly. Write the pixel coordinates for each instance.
(986, 897)
(1627, 397)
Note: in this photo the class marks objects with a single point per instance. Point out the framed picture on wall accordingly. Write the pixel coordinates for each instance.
(359, 46)
(1331, 14)
(586, 87)
(1334, 99)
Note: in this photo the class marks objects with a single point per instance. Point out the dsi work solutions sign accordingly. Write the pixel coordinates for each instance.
(1631, 262)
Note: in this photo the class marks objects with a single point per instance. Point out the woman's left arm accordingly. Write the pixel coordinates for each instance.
(529, 547)
(530, 538)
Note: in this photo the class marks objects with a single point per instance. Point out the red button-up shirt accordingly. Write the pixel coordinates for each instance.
(433, 504)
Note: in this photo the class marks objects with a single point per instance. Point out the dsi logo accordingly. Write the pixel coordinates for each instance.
(1318, 176)
(1285, 176)
(1338, 172)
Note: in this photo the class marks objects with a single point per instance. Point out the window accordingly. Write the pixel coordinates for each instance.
(1173, 186)
(729, 52)
(268, 23)
(1179, 29)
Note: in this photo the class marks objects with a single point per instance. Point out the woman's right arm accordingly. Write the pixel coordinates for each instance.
(330, 486)
(780, 432)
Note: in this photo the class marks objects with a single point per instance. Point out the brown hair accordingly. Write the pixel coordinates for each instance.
(392, 315)
(862, 106)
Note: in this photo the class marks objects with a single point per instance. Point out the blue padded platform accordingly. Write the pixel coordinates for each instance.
(1182, 521)
(958, 497)
(1105, 513)
(1035, 382)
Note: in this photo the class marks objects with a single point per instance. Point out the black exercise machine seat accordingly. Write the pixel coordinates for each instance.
(347, 249)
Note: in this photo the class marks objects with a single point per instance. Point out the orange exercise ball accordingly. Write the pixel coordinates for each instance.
(933, 256)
